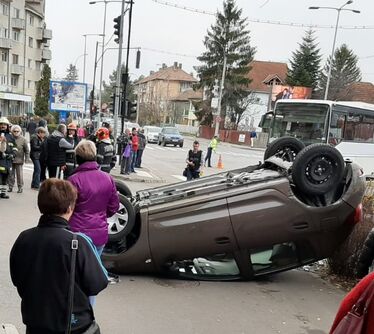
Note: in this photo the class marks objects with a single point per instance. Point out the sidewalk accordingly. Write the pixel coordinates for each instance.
(143, 174)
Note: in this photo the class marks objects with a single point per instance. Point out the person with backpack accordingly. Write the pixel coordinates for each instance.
(195, 161)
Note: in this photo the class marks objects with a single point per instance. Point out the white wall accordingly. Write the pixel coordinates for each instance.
(252, 116)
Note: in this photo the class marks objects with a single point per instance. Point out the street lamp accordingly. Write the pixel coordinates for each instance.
(338, 9)
(85, 53)
(105, 2)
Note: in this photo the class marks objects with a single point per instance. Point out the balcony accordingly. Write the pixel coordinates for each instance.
(18, 24)
(16, 69)
(5, 43)
(34, 2)
(6, 88)
(46, 55)
(44, 34)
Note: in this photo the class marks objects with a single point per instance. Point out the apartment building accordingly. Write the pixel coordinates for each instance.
(24, 48)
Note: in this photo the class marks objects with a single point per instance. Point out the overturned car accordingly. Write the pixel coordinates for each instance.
(294, 209)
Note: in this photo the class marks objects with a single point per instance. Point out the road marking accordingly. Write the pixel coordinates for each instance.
(180, 177)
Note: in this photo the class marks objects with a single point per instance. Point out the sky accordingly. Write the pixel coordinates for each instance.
(160, 30)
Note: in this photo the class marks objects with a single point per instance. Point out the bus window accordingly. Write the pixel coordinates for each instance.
(359, 128)
(336, 129)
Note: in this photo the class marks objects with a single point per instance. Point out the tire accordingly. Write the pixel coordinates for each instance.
(175, 145)
(122, 223)
(286, 148)
(122, 188)
(318, 169)
(181, 145)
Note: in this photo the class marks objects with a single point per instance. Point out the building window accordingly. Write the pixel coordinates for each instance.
(15, 59)
(3, 32)
(39, 44)
(16, 13)
(4, 56)
(29, 84)
(4, 8)
(14, 80)
(31, 20)
(38, 65)
(2, 79)
(29, 63)
(16, 35)
(31, 42)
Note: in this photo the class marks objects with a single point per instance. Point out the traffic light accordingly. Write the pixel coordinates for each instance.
(117, 28)
(131, 110)
(112, 103)
(138, 54)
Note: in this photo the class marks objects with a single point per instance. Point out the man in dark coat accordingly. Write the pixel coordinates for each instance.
(31, 126)
(36, 147)
(8, 151)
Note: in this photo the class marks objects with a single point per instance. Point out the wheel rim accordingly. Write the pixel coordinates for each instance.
(287, 153)
(320, 170)
(118, 222)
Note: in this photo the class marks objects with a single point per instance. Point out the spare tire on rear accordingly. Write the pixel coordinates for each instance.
(122, 188)
(286, 148)
(318, 169)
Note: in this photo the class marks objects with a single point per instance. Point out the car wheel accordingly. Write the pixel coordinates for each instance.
(318, 169)
(122, 188)
(181, 145)
(285, 148)
(121, 224)
(159, 142)
(175, 145)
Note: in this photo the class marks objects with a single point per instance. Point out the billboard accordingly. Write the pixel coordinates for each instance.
(280, 92)
(67, 96)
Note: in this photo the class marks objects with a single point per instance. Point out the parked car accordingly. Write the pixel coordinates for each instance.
(170, 136)
(151, 133)
(253, 221)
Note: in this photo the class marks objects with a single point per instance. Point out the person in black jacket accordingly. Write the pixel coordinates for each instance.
(36, 143)
(366, 257)
(40, 266)
(195, 161)
(56, 146)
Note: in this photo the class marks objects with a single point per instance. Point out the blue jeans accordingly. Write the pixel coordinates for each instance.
(35, 183)
(133, 160)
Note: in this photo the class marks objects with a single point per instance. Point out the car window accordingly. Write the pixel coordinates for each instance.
(171, 131)
(213, 266)
(280, 256)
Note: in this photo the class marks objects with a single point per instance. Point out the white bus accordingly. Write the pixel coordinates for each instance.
(349, 126)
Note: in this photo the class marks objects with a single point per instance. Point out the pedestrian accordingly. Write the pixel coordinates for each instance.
(36, 143)
(81, 132)
(105, 151)
(211, 148)
(194, 162)
(22, 155)
(72, 138)
(126, 153)
(23, 124)
(97, 196)
(31, 127)
(8, 151)
(41, 262)
(56, 146)
(253, 136)
(134, 148)
(141, 147)
(353, 312)
(366, 257)
(42, 123)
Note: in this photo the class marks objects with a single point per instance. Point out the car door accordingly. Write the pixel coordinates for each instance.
(185, 232)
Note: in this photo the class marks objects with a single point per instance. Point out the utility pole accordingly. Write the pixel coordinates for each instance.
(118, 81)
(126, 76)
(219, 109)
(92, 104)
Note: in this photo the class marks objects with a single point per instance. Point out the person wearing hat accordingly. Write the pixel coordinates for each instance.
(106, 157)
(72, 138)
(8, 151)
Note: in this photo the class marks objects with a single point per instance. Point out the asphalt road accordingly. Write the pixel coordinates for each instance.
(293, 302)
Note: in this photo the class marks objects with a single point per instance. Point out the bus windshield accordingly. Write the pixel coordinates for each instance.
(307, 122)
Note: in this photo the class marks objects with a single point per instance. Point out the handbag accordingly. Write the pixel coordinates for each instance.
(185, 172)
(94, 327)
(354, 320)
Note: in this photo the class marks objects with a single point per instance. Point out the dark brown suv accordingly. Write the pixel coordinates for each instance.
(287, 212)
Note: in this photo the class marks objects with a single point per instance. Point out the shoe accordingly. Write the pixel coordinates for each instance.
(20, 190)
(10, 189)
(4, 195)
(113, 278)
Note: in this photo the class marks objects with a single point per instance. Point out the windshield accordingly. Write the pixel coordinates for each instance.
(171, 131)
(154, 129)
(304, 121)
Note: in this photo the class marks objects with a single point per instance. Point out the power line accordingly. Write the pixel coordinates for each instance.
(271, 22)
(168, 52)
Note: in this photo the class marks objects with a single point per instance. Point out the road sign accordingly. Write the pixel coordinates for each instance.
(214, 102)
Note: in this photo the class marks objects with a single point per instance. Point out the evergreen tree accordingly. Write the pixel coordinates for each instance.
(305, 63)
(344, 71)
(109, 89)
(41, 106)
(227, 36)
(71, 73)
